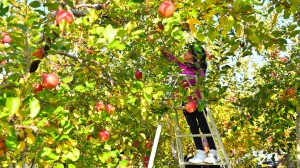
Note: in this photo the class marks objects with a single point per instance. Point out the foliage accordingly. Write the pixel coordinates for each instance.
(97, 55)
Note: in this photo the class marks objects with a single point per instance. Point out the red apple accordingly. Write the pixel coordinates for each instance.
(50, 81)
(47, 124)
(100, 106)
(191, 107)
(160, 27)
(150, 37)
(89, 122)
(273, 74)
(209, 57)
(166, 9)
(64, 15)
(37, 88)
(89, 137)
(148, 145)
(146, 161)
(290, 92)
(91, 51)
(110, 109)
(38, 53)
(138, 75)
(103, 135)
(283, 59)
(232, 98)
(270, 139)
(135, 144)
(3, 62)
(6, 38)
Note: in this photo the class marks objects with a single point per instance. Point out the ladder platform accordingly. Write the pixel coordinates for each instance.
(195, 135)
(204, 164)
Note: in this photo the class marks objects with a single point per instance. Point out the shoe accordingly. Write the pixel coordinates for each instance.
(199, 157)
(212, 157)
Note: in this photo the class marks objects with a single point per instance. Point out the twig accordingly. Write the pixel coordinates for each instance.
(95, 6)
(79, 13)
(35, 129)
(83, 61)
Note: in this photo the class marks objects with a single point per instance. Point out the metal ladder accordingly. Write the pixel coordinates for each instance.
(224, 160)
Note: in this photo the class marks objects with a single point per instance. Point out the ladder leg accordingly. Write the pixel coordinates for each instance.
(215, 131)
(154, 147)
(179, 141)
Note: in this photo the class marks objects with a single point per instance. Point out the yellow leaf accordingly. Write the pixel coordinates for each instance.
(274, 20)
(193, 29)
(30, 138)
(21, 134)
(58, 149)
(50, 140)
(71, 143)
(20, 147)
(193, 21)
(115, 136)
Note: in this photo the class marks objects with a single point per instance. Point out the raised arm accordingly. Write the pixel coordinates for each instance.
(172, 58)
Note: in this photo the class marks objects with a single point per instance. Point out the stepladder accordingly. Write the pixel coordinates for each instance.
(221, 153)
(181, 135)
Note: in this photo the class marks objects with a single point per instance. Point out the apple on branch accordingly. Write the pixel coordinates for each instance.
(50, 81)
(135, 144)
(38, 53)
(103, 135)
(100, 106)
(290, 92)
(3, 62)
(37, 87)
(64, 15)
(110, 109)
(138, 75)
(6, 38)
(160, 28)
(166, 9)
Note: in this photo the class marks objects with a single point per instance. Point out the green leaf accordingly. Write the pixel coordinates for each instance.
(123, 163)
(13, 104)
(71, 166)
(11, 140)
(80, 88)
(3, 8)
(59, 165)
(110, 33)
(247, 53)
(35, 4)
(72, 155)
(35, 107)
(48, 155)
(58, 109)
(67, 79)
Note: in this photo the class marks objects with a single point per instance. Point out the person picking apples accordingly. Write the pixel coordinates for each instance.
(195, 64)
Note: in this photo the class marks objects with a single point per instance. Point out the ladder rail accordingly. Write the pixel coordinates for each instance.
(216, 132)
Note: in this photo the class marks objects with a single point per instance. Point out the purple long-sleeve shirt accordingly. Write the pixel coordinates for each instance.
(186, 70)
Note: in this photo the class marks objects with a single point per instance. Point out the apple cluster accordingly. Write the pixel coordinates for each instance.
(50, 81)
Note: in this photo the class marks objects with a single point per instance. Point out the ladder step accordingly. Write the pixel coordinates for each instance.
(204, 164)
(195, 135)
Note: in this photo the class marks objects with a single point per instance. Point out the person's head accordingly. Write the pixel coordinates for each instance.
(195, 54)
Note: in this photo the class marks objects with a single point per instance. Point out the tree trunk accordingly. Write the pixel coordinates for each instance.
(298, 135)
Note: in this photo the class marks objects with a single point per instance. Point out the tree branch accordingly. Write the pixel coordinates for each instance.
(95, 6)
(79, 13)
(98, 63)
(35, 129)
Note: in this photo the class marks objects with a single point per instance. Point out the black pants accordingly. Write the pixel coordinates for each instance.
(197, 122)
